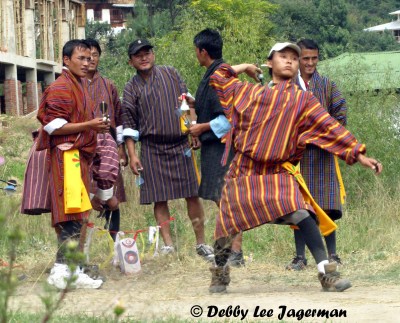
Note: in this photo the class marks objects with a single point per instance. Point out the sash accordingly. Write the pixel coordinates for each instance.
(325, 223)
(76, 198)
(340, 180)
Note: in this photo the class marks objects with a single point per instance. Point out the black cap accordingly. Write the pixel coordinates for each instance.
(137, 45)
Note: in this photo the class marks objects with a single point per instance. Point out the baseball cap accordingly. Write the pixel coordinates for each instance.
(137, 45)
(281, 46)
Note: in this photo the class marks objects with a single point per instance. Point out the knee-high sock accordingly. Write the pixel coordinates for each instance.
(331, 243)
(312, 238)
(299, 243)
(222, 250)
(65, 231)
(113, 226)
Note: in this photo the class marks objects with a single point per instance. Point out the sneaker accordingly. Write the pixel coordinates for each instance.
(298, 263)
(335, 258)
(167, 250)
(205, 251)
(236, 259)
(84, 281)
(59, 275)
(331, 281)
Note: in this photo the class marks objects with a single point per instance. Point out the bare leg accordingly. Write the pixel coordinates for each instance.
(161, 213)
(196, 215)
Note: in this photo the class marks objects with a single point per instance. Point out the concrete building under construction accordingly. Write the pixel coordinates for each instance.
(32, 34)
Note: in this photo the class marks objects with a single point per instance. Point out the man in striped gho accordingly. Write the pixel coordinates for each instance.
(318, 167)
(108, 184)
(271, 127)
(69, 133)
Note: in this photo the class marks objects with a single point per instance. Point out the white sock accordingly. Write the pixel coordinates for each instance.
(321, 266)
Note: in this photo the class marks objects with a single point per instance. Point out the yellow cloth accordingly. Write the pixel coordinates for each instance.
(196, 169)
(184, 126)
(340, 180)
(76, 199)
(325, 223)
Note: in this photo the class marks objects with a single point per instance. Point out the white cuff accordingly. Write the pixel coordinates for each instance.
(54, 125)
(220, 126)
(128, 132)
(105, 195)
(120, 137)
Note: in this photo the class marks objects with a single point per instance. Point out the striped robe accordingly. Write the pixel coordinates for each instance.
(36, 192)
(66, 98)
(105, 168)
(270, 127)
(317, 165)
(150, 107)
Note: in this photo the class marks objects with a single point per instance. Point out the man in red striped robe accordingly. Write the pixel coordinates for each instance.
(108, 184)
(272, 126)
(67, 122)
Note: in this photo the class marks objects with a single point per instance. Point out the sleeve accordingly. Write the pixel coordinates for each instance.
(225, 82)
(130, 113)
(182, 86)
(57, 103)
(337, 105)
(317, 127)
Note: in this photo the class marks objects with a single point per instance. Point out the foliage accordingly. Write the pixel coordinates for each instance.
(98, 30)
(337, 25)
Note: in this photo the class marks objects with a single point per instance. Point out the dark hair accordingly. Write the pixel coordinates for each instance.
(308, 44)
(70, 45)
(211, 41)
(94, 43)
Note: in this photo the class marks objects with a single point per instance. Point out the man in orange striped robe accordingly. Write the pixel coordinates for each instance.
(67, 123)
(272, 125)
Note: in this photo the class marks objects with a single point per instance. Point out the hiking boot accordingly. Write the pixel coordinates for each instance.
(205, 251)
(219, 279)
(335, 258)
(331, 281)
(298, 263)
(167, 250)
(236, 259)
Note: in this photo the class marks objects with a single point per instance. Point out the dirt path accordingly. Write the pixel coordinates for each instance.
(164, 291)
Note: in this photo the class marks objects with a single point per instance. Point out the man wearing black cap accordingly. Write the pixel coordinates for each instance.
(149, 115)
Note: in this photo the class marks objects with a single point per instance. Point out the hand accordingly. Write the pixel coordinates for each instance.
(112, 203)
(253, 71)
(122, 155)
(190, 101)
(370, 163)
(96, 204)
(99, 125)
(196, 143)
(196, 129)
(135, 165)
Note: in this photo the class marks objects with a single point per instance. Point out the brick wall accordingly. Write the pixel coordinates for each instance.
(31, 88)
(10, 97)
(20, 101)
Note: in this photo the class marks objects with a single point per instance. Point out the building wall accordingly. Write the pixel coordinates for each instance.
(32, 34)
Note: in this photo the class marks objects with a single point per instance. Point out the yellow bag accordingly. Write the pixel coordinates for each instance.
(76, 198)
(326, 225)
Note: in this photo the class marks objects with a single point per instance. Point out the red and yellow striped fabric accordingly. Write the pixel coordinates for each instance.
(270, 127)
(66, 98)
